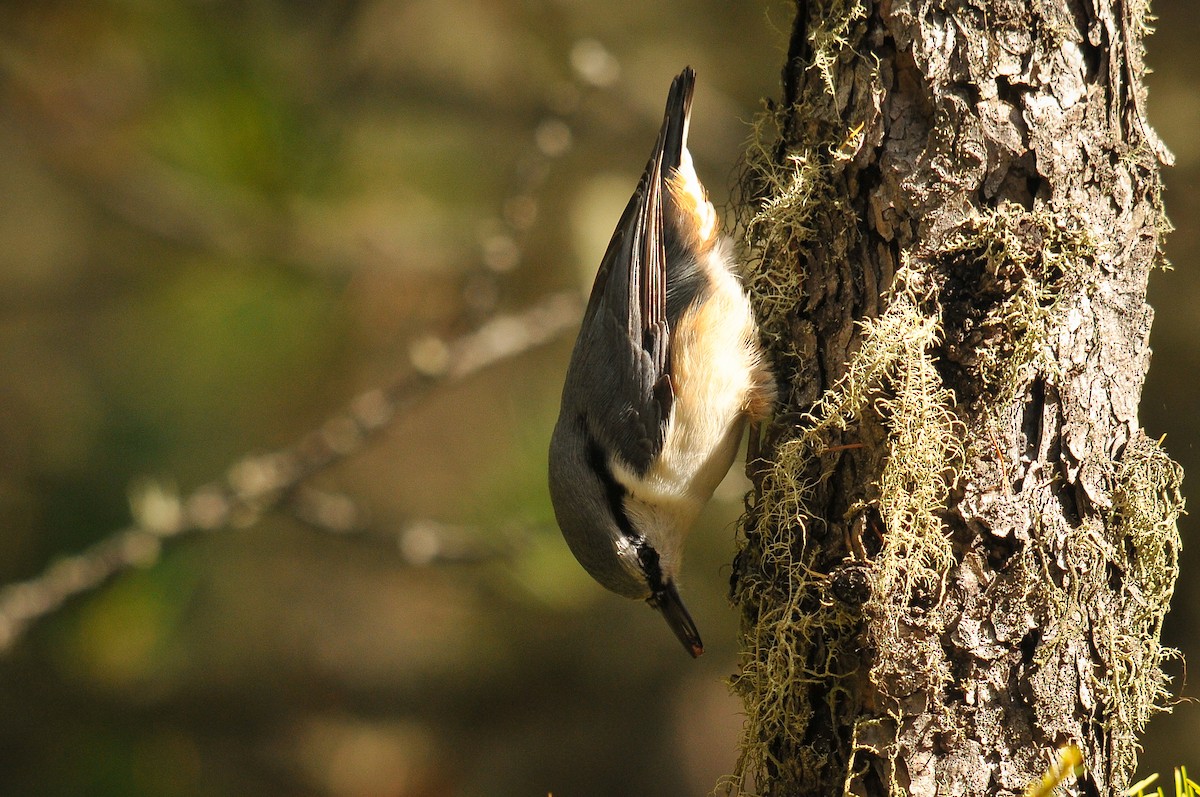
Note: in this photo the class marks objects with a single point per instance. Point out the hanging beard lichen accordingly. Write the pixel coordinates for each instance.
(798, 628)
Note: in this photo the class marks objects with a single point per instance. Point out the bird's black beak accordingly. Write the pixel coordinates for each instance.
(667, 601)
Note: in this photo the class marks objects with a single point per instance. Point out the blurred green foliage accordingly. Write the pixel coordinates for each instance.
(224, 220)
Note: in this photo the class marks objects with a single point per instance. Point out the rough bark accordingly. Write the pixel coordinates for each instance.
(960, 546)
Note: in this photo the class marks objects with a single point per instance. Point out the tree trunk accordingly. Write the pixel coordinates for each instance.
(960, 546)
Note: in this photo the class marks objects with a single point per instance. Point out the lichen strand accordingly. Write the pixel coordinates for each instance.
(797, 203)
(924, 457)
(1141, 555)
(799, 640)
(781, 224)
(1006, 272)
(796, 634)
(794, 196)
(1109, 611)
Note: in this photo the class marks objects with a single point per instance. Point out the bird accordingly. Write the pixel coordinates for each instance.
(665, 374)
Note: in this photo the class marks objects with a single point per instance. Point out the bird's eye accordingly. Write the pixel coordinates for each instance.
(648, 559)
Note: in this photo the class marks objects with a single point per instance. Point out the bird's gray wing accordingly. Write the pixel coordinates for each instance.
(622, 365)
(622, 359)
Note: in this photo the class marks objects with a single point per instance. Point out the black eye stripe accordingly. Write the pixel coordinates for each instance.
(615, 493)
(648, 557)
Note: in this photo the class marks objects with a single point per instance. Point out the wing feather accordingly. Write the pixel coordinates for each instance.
(622, 363)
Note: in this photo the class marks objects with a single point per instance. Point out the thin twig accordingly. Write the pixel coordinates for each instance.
(257, 484)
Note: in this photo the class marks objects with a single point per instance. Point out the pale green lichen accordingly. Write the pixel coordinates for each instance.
(1143, 526)
(796, 638)
(1031, 258)
(792, 193)
(1111, 611)
(832, 38)
(794, 198)
(893, 379)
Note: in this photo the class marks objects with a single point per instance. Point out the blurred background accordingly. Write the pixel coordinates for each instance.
(220, 222)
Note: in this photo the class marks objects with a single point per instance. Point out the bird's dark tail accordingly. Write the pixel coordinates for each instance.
(673, 137)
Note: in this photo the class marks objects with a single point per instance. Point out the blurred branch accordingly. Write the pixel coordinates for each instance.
(260, 483)
(421, 542)
(160, 200)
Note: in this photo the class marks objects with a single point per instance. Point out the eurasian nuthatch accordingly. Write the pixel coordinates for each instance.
(664, 375)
